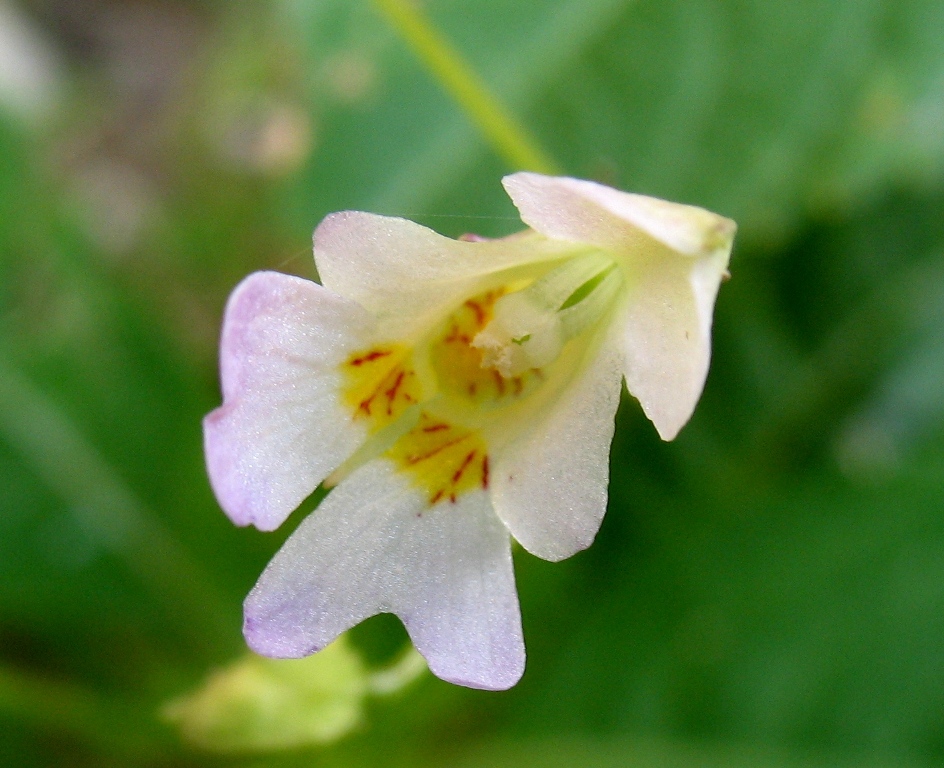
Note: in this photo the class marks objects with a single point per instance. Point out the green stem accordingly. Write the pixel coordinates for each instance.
(511, 139)
(408, 667)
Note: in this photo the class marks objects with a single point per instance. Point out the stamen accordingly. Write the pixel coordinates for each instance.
(530, 327)
(458, 365)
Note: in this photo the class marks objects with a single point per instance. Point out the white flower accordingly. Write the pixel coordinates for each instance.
(458, 394)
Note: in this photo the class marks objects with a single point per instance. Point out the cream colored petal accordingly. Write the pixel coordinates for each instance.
(586, 212)
(375, 546)
(667, 337)
(549, 486)
(408, 275)
(281, 428)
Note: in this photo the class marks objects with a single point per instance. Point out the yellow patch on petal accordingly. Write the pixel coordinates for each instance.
(442, 459)
(381, 383)
(458, 365)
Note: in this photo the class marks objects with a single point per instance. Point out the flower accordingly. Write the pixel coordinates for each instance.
(457, 394)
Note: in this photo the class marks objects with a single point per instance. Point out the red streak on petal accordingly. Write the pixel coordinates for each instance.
(465, 463)
(370, 357)
(417, 458)
(499, 382)
(392, 392)
(479, 312)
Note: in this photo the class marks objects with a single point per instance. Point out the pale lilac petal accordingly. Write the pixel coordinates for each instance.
(586, 212)
(667, 337)
(282, 428)
(375, 546)
(408, 275)
(549, 486)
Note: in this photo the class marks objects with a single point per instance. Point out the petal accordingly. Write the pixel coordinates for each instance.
(281, 428)
(667, 337)
(550, 486)
(407, 274)
(375, 546)
(587, 212)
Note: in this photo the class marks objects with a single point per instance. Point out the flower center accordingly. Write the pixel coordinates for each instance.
(529, 328)
(460, 367)
(489, 354)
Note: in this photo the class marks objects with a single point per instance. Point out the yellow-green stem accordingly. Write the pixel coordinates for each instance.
(510, 138)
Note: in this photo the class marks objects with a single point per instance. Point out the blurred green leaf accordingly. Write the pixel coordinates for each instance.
(761, 111)
(650, 753)
(85, 715)
(784, 592)
(770, 579)
(793, 613)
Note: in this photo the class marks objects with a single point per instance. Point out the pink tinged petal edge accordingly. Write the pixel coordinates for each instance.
(281, 429)
(407, 273)
(374, 546)
(667, 338)
(550, 485)
(587, 212)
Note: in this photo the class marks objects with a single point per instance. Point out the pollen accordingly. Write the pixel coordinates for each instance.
(442, 459)
(380, 384)
(459, 366)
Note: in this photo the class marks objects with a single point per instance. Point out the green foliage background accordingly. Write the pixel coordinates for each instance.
(768, 590)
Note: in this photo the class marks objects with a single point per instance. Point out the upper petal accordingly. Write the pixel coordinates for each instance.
(667, 337)
(281, 428)
(674, 257)
(549, 486)
(405, 273)
(587, 212)
(375, 546)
